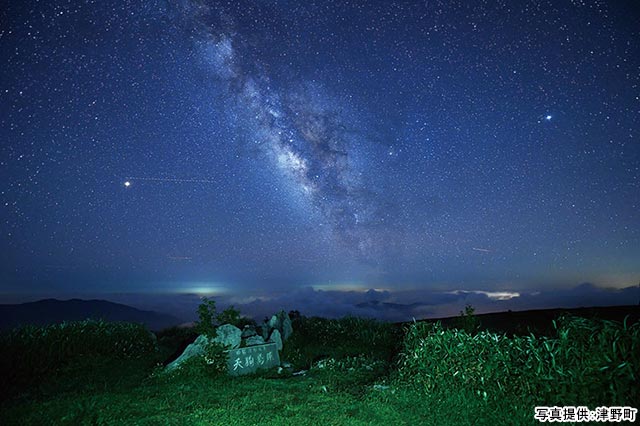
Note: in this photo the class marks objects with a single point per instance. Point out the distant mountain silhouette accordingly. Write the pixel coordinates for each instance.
(51, 311)
(539, 321)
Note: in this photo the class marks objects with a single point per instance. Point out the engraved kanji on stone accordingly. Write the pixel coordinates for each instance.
(237, 364)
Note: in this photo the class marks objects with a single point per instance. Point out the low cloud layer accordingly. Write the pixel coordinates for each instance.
(380, 304)
(395, 305)
(405, 305)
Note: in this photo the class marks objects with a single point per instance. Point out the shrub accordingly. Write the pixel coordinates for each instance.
(589, 361)
(30, 353)
(206, 315)
(215, 357)
(314, 338)
(208, 319)
(467, 321)
(175, 336)
(350, 374)
(229, 316)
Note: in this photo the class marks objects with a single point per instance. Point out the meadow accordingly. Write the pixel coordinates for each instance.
(358, 372)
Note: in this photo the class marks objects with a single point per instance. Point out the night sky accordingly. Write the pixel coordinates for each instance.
(254, 148)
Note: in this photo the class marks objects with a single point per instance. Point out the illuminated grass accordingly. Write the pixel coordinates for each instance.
(499, 380)
(588, 362)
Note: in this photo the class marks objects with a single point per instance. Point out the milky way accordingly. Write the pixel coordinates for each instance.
(486, 146)
(302, 134)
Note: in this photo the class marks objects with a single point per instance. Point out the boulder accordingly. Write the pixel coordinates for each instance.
(282, 323)
(248, 331)
(276, 338)
(275, 322)
(287, 328)
(194, 349)
(254, 340)
(228, 336)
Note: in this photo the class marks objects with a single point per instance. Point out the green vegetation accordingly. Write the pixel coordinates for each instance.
(317, 338)
(360, 372)
(589, 362)
(467, 321)
(208, 319)
(215, 358)
(30, 354)
(206, 316)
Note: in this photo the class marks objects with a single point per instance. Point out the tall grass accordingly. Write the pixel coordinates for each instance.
(587, 362)
(315, 338)
(30, 353)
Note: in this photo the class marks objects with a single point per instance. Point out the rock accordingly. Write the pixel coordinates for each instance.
(255, 340)
(248, 331)
(276, 338)
(275, 322)
(228, 336)
(287, 328)
(194, 349)
(282, 323)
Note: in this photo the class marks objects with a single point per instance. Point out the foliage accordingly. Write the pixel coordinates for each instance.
(216, 357)
(592, 361)
(445, 377)
(350, 374)
(315, 338)
(229, 316)
(30, 352)
(127, 392)
(209, 319)
(294, 315)
(467, 321)
(206, 316)
(175, 335)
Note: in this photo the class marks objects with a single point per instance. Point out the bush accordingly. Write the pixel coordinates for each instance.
(206, 315)
(350, 374)
(216, 358)
(229, 316)
(315, 338)
(30, 353)
(467, 321)
(208, 319)
(589, 361)
(175, 336)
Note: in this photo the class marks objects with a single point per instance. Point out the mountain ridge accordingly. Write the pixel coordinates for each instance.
(52, 311)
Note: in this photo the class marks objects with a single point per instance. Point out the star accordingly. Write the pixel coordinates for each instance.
(548, 117)
(127, 184)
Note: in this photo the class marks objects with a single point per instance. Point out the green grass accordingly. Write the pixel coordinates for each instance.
(589, 362)
(195, 398)
(499, 381)
(32, 354)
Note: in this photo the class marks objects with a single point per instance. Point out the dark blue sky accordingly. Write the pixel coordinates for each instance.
(267, 146)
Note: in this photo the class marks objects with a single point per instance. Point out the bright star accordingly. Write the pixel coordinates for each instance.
(548, 117)
(127, 184)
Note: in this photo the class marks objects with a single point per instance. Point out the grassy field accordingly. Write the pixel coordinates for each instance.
(360, 372)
